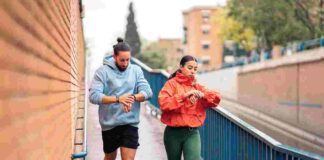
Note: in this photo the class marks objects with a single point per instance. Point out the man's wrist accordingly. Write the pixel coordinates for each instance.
(117, 99)
(134, 97)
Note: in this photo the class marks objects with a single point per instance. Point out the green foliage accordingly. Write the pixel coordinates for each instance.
(277, 22)
(153, 59)
(231, 29)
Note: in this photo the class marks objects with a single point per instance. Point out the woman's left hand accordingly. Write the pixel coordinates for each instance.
(193, 99)
(200, 94)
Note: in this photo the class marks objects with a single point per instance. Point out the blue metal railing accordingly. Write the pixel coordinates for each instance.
(225, 136)
(156, 79)
(298, 47)
(309, 44)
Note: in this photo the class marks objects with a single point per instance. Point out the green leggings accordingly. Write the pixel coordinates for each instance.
(183, 139)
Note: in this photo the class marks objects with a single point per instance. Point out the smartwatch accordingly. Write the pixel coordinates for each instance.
(134, 96)
(117, 99)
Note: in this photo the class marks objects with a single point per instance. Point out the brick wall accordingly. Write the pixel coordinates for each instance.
(289, 89)
(41, 77)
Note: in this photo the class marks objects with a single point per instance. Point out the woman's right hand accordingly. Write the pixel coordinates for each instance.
(195, 93)
(193, 99)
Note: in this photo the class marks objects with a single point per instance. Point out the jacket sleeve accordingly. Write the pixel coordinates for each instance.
(96, 88)
(169, 100)
(142, 85)
(211, 98)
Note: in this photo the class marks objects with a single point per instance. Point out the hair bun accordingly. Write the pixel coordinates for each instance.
(120, 40)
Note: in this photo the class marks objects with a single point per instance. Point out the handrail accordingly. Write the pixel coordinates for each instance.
(84, 153)
(149, 69)
(247, 127)
(265, 138)
(310, 44)
(293, 48)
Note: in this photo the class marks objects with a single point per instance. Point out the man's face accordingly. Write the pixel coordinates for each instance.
(122, 60)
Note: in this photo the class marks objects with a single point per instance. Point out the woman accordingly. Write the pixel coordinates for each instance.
(183, 103)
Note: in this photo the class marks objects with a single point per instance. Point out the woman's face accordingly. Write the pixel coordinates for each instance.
(190, 68)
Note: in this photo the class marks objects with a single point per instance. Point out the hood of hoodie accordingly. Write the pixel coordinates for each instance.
(110, 61)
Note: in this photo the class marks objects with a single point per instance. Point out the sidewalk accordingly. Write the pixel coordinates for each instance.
(150, 137)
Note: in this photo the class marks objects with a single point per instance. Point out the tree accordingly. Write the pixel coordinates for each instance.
(321, 14)
(153, 56)
(153, 59)
(131, 35)
(310, 14)
(277, 22)
(231, 29)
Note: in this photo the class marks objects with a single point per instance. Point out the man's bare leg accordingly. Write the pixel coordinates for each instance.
(111, 156)
(127, 153)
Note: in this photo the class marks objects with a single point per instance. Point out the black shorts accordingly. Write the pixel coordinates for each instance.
(120, 136)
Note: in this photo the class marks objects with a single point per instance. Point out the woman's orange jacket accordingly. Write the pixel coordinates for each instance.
(178, 111)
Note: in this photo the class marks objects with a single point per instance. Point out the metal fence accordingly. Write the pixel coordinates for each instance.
(225, 137)
(291, 48)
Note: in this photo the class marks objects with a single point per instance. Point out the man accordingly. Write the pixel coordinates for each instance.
(119, 87)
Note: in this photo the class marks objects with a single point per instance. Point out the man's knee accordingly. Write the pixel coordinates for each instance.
(127, 153)
(110, 156)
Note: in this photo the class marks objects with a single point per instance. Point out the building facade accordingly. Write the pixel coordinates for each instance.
(200, 36)
(172, 48)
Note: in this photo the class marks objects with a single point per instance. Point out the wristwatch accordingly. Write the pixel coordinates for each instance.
(134, 96)
(117, 99)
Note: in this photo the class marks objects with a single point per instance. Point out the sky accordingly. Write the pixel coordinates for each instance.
(105, 20)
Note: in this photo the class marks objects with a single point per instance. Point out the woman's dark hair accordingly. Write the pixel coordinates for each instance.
(121, 46)
(183, 61)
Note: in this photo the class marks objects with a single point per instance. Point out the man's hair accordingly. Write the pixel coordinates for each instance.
(121, 46)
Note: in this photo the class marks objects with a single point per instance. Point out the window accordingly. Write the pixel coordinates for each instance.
(184, 38)
(205, 46)
(205, 13)
(205, 62)
(205, 29)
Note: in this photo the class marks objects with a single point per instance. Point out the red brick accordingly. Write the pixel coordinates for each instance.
(38, 41)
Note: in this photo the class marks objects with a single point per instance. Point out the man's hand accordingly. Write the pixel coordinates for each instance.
(127, 108)
(127, 101)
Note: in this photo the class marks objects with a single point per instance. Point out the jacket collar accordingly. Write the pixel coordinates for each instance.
(183, 79)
